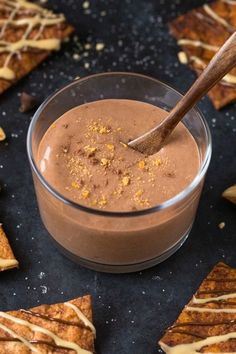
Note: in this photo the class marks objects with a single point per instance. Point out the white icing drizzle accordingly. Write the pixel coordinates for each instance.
(46, 44)
(34, 21)
(5, 263)
(183, 58)
(198, 61)
(210, 299)
(5, 22)
(202, 17)
(190, 42)
(81, 316)
(7, 74)
(205, 309)
(59, 341)
(23, 340)
(228, 78)
(25, 4)
(42, 18)
(193, 348)
(217, 18)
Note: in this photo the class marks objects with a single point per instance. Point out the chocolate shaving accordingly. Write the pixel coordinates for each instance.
(94, 161)
(169, 174)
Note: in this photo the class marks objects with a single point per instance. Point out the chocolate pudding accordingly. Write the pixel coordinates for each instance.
(83, 156)
(108, 207)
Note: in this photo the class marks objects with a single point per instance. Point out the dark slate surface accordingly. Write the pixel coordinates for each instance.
(130, 311)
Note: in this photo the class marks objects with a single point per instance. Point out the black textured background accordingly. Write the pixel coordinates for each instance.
(130, 311)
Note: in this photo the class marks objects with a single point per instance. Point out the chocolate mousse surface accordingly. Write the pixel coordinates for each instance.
(83, 155)
(151, 300)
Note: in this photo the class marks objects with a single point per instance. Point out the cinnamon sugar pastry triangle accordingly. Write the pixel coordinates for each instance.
(200, 33)
(28, 34)
(7, 258)
(208, 323)
(59, 328)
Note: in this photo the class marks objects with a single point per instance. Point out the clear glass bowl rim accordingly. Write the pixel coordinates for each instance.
(176, 199)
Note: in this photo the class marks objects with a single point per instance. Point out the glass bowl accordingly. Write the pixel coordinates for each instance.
(117, 241)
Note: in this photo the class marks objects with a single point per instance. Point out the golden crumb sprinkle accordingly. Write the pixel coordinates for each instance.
(102, 202)
(118, 129)
(105, 162)
(75, 185)
(110, 147)
(98, 128)
(2, 134)
(141, 201)
(157, 162)
(94, 202)
(141, 164)
(144, 202)
(123, 144)
(139, 193)
(85, 194)
(104, 130)
(90, 149)
(126, 180)
(93, 127)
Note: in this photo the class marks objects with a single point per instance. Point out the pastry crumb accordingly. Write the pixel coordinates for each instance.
(2, 134)
(221, 225)
(86, 65)
(100, 46)
(86, 5)
(76, 56)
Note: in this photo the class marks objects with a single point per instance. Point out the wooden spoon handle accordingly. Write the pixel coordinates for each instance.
(223, 61)
(221, 64)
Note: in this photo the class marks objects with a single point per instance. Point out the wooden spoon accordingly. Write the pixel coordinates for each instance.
(223, 61)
